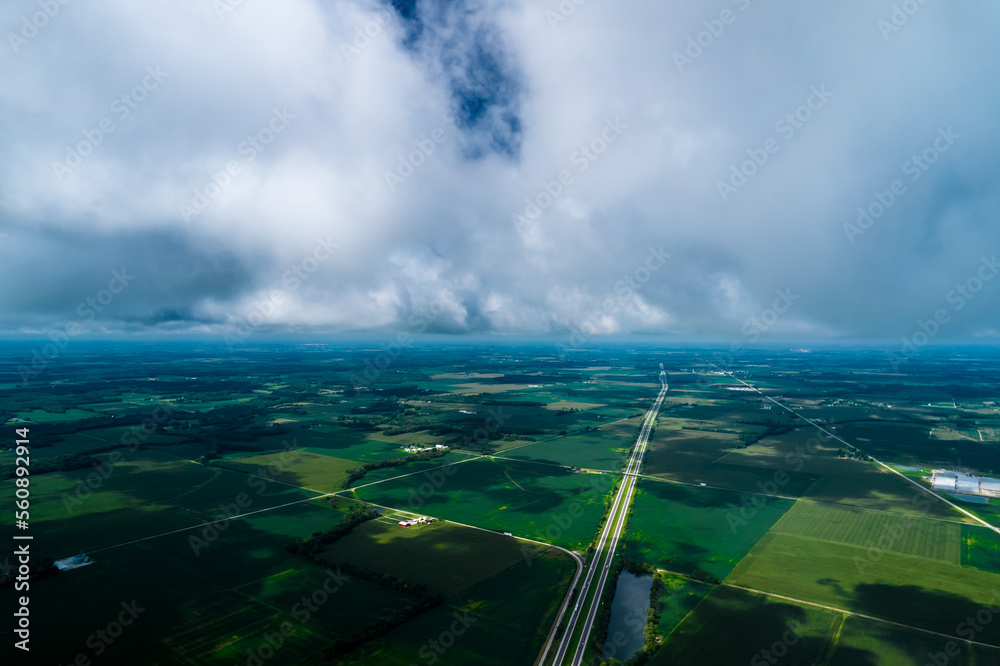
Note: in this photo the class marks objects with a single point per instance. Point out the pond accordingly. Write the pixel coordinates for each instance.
(627, 628)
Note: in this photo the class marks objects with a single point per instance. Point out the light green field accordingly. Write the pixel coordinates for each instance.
(298, 468)
(981, 548)
(925, 593)
(859, 527)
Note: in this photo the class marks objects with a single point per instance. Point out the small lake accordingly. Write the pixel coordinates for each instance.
(627, 629)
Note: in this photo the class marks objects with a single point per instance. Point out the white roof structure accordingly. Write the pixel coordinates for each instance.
(989, 486)
(966, 484)
(944, 480)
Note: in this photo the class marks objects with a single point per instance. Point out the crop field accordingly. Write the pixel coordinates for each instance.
(297, 468)
(683, 528)
(866, 643)
(981, 548)
(924, 593)
(735, 627)
(912, 444)
(680, 596)
(502, 628)
(213, 596)
(143, 494)
(505, 495)
(603, 449)
(266, 428)
(446, 557)
(905, 534)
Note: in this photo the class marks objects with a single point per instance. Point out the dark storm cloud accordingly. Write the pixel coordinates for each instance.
(503, 166)
(461, 44)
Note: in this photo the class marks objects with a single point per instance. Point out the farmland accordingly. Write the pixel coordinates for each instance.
(686, 529)
(186, 486)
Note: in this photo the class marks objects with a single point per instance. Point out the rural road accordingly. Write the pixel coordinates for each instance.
(605, 553)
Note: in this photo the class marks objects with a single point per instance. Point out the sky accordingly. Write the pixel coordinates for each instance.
(726, 170)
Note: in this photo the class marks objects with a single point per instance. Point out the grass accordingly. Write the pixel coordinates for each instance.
(683, 528)
(898, 533)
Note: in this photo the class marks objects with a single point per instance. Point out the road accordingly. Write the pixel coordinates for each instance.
(886, 467)
(605, 552)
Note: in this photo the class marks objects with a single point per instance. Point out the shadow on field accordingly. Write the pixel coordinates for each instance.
(701, 498)
(937, 611)
(731, 627)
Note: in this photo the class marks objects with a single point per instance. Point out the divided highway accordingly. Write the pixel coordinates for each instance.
(588, 600)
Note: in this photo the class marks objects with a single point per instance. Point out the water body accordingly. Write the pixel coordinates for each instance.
(627, 629)
(972, 499)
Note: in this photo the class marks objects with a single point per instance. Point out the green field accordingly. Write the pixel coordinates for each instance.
(922, 537)
(603, 449)
(208, 597)
(871, 643)
(924, 593)
(313, 471)
(537, 501)
(679, 598)
(146, 493)
(443, 556)
(683, 528)
(508, 619)
(735, 627)
(870, 487)
(981, 548)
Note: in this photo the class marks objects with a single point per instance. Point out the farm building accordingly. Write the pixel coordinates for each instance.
(944, 480)
(967, 484)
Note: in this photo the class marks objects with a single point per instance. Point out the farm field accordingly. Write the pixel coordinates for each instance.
(894, 532)
(735, 627)
(266, 427)
(446, 557)
(500, 628)
(880, 644)
(507, 496)
(144, 494)
(925, 593)
(685, 529)
(602, 449)
(312, 471)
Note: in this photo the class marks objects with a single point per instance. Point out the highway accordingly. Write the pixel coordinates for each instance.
(605, 552)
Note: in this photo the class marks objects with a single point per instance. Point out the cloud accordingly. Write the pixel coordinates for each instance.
(414, 134)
